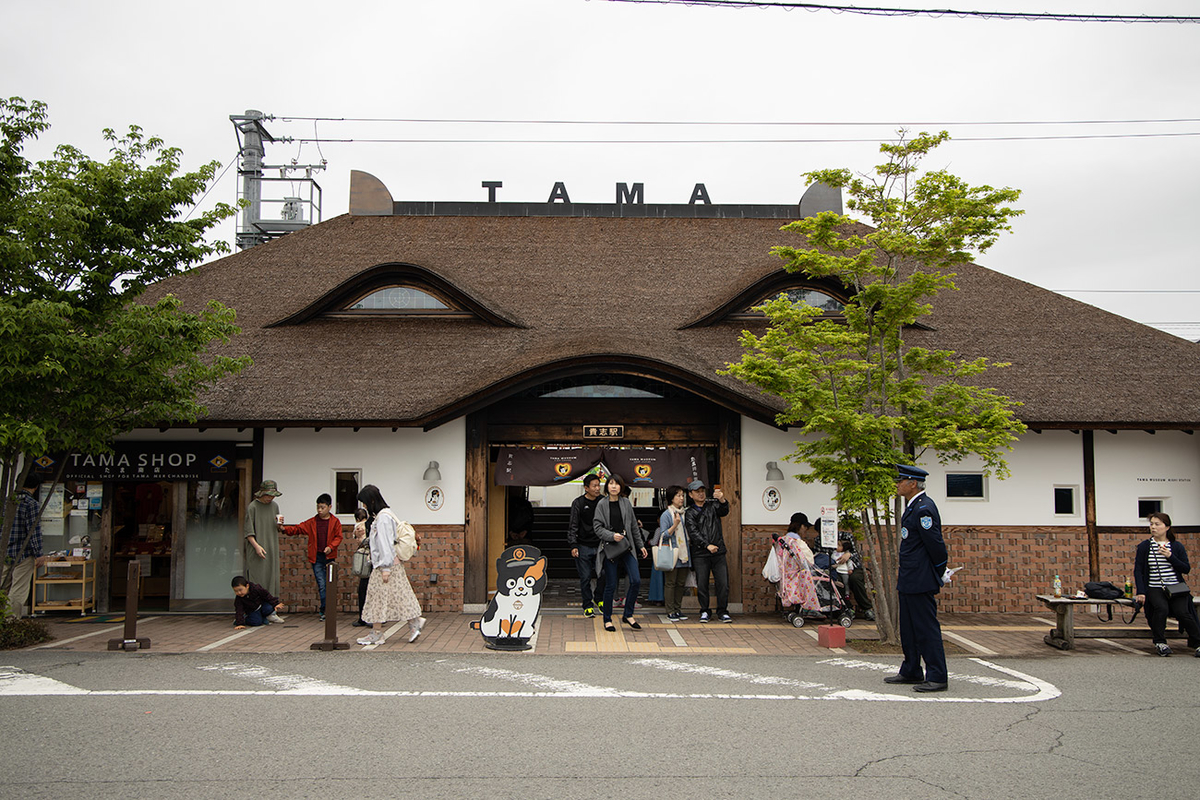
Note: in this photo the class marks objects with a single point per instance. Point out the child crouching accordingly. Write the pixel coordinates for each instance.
(253, 605)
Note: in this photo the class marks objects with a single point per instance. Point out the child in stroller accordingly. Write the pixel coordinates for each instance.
(806, 590)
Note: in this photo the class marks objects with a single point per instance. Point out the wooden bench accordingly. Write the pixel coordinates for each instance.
(1064, 634)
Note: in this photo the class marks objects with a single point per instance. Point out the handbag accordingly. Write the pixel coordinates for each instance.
(360, 565)
(1175, 589)
(664, 556)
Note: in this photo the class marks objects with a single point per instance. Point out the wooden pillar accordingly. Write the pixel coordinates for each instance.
(475, 550)
(1089, 503)
(102, 551)
(729, 460)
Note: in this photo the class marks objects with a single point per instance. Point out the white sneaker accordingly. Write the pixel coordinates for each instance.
(371, 638)
(416, 626)
(274, 618)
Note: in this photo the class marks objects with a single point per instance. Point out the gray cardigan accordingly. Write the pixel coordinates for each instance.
(633, 534)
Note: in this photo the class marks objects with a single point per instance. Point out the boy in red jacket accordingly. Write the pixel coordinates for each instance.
(324, 532)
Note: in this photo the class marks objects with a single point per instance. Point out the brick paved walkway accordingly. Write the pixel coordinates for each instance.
(986, 635)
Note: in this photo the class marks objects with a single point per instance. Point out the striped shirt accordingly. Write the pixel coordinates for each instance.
(1161, 571)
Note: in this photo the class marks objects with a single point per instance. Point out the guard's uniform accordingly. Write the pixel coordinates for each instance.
(922, 563)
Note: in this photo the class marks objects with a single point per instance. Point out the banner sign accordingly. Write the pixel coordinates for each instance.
(646, 467)
(523, 467)
(149, 461)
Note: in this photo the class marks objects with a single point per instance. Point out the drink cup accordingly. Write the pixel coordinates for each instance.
(279, 519)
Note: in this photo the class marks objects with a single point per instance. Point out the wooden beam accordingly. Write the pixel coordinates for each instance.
(475, 545)
(1089, 503)
(729, 460)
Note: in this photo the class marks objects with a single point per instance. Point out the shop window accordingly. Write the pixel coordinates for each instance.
(1064, 501)
(346, 483)
(966, 486)
(1148, 505)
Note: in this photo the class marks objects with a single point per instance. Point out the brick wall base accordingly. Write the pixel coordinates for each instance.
(1003, 566)
(440, 554)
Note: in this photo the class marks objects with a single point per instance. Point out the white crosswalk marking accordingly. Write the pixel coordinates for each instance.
(283, 684)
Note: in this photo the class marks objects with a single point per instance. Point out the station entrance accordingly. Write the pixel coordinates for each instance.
(623, 417)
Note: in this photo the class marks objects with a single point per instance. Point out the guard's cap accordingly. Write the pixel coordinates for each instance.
(907, 472)
(694, 485)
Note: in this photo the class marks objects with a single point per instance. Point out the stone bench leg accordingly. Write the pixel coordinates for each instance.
(1063, 636)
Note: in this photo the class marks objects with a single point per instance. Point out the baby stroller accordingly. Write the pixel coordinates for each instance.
(806, 592)
(831, 595)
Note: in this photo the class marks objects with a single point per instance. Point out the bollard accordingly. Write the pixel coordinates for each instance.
(133, 587)
(330, 642)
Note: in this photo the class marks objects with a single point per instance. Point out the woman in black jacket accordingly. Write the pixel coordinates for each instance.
(1161, 562)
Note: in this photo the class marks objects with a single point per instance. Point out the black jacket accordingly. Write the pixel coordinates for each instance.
(703, 526)
(579, 529)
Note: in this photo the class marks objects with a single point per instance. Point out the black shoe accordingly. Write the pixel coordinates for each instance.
(631, 623)
(358, 623)
(902, 679)
(930, 686)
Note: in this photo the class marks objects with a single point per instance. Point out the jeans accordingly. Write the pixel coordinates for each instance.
(585, 567)
(629, 562)
(321, 574)
(716, 566)
(259, 615)
(1159, 607)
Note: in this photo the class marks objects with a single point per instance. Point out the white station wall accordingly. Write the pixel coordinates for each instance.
(760, 444)
(1038, 462)
(1133, 465)
(303, 462)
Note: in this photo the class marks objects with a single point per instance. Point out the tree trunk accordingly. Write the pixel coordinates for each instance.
(882, 550)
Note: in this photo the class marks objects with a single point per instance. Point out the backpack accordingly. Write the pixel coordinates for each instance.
(406, 537)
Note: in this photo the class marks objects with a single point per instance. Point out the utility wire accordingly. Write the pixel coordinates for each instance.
(293, 118)
(877, 11)
(736, 141)
(212, 186)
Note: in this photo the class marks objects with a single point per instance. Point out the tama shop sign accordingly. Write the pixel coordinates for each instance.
(150, 461)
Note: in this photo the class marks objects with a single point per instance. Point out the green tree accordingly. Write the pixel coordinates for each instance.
(81, 360)
(863, 397)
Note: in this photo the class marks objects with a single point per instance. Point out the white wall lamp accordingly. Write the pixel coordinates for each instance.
(432, 473)
(773, 471)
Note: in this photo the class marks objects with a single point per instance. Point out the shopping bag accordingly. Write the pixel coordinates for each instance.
(664, 557)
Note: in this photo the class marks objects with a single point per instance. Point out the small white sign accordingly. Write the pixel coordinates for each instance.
(829, 520)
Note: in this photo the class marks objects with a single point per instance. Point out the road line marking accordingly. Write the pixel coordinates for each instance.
(543, 681)
(283, 683)
(982, 680)
(228, 639)
(676, 637)
(717, 672)
(17, 682)
(965, 642)
(1126, 648)
(61, 642)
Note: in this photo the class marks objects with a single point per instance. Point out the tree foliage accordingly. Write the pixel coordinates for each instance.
(81, 360)
(864, 398)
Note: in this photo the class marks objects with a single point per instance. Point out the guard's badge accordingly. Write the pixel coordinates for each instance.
(926, 522)
(904, 533)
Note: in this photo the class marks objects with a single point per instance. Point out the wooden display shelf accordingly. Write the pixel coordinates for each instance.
(49, 574)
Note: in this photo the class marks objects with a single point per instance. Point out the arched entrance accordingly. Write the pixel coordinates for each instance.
(648, 410)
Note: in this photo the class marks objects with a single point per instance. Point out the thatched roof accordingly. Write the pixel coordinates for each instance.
(558, 290)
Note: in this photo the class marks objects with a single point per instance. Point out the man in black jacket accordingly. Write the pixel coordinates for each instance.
(581, 536)
(702, 521)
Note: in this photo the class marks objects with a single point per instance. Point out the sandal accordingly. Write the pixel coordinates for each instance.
(608, 626)
(631, 623)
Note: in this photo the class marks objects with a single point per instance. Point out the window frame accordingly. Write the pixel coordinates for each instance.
(983, 486)
(345, 517)
(1074, 490)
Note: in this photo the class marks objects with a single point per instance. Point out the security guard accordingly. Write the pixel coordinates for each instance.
(922, 564)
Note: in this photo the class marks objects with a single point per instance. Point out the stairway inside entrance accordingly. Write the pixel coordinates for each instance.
(549, 534)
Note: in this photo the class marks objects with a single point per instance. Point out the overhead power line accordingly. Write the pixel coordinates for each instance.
(764, 123)
(726, 141)
(880, 11)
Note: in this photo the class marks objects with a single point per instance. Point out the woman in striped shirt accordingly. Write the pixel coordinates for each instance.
(1160, 562)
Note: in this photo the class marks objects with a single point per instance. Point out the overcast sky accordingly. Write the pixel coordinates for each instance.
(1117, 214)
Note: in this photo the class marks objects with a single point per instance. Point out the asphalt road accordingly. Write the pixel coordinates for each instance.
(368, 725)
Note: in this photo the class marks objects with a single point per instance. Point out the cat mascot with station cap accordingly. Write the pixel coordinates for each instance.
(511, 616)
